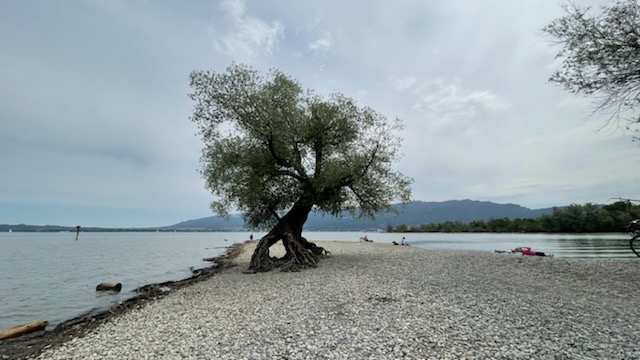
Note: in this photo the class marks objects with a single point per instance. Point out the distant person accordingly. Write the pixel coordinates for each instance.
(251, 237)
(404, 242)
(525, 250)
(365, 239)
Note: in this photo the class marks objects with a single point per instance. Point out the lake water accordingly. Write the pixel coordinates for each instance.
(52, 276)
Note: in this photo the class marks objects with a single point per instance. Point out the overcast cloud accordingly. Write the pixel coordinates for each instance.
(94, 112)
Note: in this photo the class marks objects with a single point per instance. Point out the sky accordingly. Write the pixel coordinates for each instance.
(95, 122)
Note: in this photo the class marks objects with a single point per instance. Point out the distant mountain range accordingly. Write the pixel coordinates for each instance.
(413, 213)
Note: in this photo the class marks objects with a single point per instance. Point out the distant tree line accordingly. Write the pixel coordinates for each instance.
(588, 218)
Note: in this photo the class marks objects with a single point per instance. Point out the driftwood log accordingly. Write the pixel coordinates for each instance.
(109, 286)
(23, 329)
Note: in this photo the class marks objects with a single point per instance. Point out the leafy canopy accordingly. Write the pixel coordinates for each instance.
(268, 145)
(601, 56)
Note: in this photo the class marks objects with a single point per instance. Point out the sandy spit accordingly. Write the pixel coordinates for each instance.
(379, 301)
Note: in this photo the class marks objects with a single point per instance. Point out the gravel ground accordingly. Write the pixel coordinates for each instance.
(379, 301)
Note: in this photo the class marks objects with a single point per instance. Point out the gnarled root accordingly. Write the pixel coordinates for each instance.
(260, 260)
(300, 254)
(317, 250)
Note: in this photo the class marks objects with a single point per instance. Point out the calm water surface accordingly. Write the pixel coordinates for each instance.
(52, 276)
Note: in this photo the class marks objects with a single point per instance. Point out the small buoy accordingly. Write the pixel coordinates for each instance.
(23, 329)
(109, 286)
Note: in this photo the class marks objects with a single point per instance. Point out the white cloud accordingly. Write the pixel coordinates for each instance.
(241, 36)
(362, 94)
(403, 84)
(323, 44)
(449, 101)
(573, 102)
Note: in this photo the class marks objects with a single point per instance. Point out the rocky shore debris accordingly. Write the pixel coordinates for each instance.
(23, 329)
(109, 286)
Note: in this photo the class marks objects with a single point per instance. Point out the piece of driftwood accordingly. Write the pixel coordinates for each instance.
(109, 286)
(23, 329)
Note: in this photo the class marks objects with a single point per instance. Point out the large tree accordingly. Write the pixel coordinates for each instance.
(276, 152)
(601, 57)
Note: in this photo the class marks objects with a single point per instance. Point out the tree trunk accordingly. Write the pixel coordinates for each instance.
(300, 253)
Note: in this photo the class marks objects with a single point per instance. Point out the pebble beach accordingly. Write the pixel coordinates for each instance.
(379, 301)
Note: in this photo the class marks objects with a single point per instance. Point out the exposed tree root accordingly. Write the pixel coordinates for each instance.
(300, 254)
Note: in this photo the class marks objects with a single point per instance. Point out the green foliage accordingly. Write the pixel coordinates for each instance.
(588, 218)
(268, 145)
(601, 55)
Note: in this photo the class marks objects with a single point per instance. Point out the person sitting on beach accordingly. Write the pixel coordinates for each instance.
(525, 250)
(365, 239)
(404, 242)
